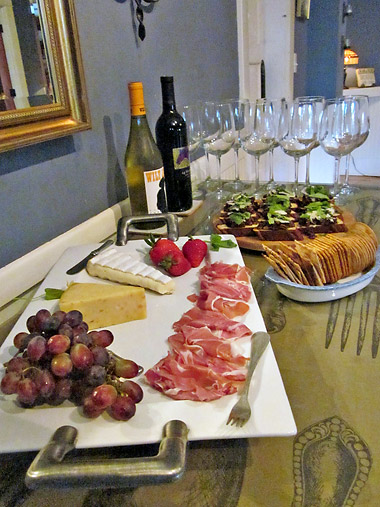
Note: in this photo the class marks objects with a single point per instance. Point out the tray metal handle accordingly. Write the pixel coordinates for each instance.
(49, 470)
(125, 223)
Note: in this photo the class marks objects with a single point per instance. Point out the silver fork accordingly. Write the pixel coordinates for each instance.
(241, 411)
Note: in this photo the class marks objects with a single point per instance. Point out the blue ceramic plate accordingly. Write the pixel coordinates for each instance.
(312, 294)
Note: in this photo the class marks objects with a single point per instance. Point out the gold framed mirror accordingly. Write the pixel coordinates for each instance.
(62, 107)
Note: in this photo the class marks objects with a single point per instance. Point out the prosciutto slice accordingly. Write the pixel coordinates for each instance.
(209, 300)
(229, 281)
(189, 381)
(221, 325)
(204, 361)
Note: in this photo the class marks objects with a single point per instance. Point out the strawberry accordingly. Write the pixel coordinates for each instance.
(175, 263)
(195, 251)
(160, 248)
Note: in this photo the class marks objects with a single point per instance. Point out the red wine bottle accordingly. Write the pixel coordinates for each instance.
(171, 138)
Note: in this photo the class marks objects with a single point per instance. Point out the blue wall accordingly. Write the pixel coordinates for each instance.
(48, 188)
(363, 30)
(317, 43)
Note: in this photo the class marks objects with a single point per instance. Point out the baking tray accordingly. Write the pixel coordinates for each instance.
(145, 341)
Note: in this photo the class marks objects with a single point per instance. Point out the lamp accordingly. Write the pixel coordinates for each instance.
(350, 58)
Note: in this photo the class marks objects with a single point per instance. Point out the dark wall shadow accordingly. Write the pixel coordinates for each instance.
(117, 189)
(20, 158)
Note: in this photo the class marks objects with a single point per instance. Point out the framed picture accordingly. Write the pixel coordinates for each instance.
(303, 9)
(366, 77)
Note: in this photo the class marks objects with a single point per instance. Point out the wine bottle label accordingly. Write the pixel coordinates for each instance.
(155, 190)
(181, 157)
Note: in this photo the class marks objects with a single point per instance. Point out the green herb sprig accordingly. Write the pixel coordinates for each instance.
(216, 242)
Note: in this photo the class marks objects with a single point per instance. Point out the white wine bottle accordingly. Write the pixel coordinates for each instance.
(143, 162)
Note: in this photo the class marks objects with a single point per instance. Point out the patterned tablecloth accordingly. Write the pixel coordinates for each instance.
(328, 355)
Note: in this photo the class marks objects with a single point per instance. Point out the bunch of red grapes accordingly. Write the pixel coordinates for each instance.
(59, 359)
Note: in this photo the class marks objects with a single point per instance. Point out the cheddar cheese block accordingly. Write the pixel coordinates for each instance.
(117, 266)
(104, 305)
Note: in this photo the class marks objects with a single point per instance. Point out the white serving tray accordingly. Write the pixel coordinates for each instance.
(145, 341)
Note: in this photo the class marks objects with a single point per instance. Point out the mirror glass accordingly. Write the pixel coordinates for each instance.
(42, 92)
(26, 72)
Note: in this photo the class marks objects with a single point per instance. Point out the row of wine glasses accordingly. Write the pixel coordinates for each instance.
(338, 125)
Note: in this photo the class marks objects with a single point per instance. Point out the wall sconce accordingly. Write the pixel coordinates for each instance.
(303, 9)
(140, 16)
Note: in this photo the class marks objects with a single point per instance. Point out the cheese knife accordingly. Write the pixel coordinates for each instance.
(83, 263)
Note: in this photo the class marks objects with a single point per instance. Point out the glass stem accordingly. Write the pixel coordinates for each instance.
(236, 151)
(257, 182)
(296, 166)
(347, 171)
(208, 176)
(336, 175)
(271, 170)
(307, 175)
(219, 172)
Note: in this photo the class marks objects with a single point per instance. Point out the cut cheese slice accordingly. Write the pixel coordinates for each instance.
(120, 267)
(104, 305)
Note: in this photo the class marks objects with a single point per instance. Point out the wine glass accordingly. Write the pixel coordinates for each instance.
(278, 105)
(363, 101)
(237, 106)
(218, 134)
(208, 127)
(190, 114)
(258, 133)
(339, 131)
(319, 103)
(298, 131)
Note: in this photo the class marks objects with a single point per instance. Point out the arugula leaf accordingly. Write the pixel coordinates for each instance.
(53, 294)
(217, 242)
(317, 192)
(239, 217)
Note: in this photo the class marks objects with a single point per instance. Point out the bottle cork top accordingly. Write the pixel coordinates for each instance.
(136, 98)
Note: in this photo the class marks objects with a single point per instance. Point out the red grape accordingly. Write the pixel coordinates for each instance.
(73, 318)
(83, 338)
(60, 315)
(132, 390)
(80, 329)
(90, 409)
(97, 375)
(27, 391)
(58, 343)
(67, 330)
(36, 348)
(102, 338)
(50, 325)
(63, 389)
(123, 408)
(104, 396)
(61, 365)
(45, 383)
(126, 368)
(19, 341)
(101, 356)
(40, 318)
(17, 364)
(9, 382)
(31, 324)
(81, 356)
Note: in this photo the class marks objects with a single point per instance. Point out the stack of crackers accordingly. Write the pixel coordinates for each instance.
(325, 259)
